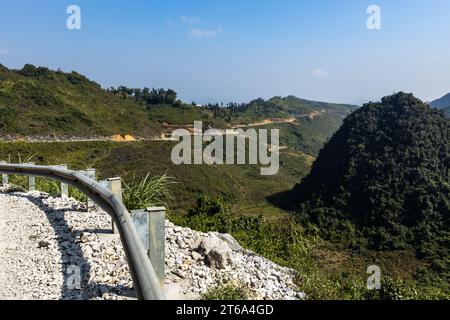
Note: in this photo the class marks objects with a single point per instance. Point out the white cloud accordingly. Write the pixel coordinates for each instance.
(320, 73)
(196, 31)
(205, 33)
(189, 20)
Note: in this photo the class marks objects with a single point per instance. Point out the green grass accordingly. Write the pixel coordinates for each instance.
(56, 103)
(226, 292)
(147, 192)
(240, 185)
(185, 114)
(284, 107)
(305, 134)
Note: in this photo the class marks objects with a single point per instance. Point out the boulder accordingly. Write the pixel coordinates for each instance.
(217, 252)
(232, 243)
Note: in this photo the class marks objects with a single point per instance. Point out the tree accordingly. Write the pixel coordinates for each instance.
(383, 178)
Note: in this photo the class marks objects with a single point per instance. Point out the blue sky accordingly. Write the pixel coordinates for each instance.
(237, 50)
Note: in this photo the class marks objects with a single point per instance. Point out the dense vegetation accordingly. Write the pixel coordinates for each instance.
(242, 186)
(36, 101)
(289, 244)
(279, 107)
(383, 182)
(146, 96)
(447, 111)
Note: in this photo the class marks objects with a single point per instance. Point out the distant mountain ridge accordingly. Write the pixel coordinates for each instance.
(441, 103)
(293, 106)
(37, 103)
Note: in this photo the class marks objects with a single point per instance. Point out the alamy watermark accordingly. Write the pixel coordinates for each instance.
(73, 277)
(374, 281)
(73, 22)
(374, 19)
(228, 147)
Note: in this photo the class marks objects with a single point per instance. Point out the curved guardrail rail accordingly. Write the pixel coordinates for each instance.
(145, 280)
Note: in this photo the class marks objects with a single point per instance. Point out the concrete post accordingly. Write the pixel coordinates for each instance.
(64, 187)
(151, 227)
(90, 173)
(104, 183)
(157, 240)
(31, 181)
(4, 176)
(115, 185)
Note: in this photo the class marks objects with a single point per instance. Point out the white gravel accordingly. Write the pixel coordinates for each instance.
(45, 243)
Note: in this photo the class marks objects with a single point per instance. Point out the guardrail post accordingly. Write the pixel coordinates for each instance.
(4, 176)
(104, 183)
(145, 279)
(31, 181)
(115, 185)
(157, 240)
(151, 227)
(64, 187)
(90, 173)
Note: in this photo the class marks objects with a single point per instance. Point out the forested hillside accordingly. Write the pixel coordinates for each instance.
(36, 101)
(39, 102)
(447, 111)
(383, 181)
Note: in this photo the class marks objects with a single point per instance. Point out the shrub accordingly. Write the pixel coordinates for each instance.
(148, 192)
(289, 244)
(227, 291)
(209, 207)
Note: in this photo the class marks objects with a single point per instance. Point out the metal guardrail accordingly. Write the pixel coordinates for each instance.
(144, 277)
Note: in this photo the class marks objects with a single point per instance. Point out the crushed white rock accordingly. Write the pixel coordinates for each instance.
(51, 248)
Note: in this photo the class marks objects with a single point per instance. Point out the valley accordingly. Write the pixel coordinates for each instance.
(51, 117)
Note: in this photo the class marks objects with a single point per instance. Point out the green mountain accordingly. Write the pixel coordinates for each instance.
(383, 181)
(282, 107)
(304, 125)
(36, 101)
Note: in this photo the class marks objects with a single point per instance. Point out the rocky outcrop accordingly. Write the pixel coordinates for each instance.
(200, 261)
